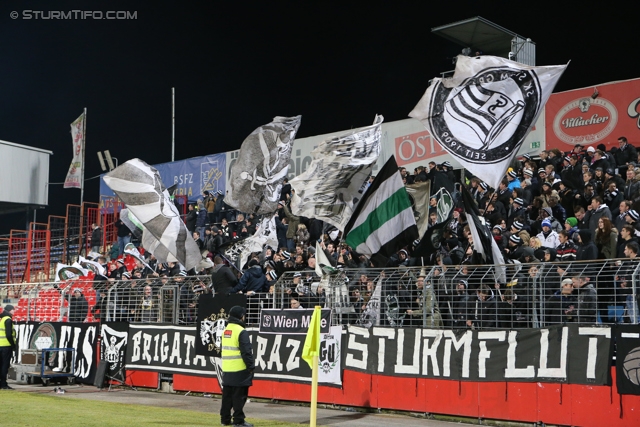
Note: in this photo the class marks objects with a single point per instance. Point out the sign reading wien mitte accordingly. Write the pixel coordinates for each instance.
(292, 321)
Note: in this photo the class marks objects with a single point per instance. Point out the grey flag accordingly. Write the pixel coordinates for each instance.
(140, 187)
(263, 163)
(335, 181)
(419, 193)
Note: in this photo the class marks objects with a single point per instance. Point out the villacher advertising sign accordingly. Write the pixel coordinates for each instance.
(594, 115)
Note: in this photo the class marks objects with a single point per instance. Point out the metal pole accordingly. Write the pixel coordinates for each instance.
(84, 143)
(173, 124)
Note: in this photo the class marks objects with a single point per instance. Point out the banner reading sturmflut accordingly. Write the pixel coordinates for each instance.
(74, 176)
(571, 354)
(484, 112)
(334, 182)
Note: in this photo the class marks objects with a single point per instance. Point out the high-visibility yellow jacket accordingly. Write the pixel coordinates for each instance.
(237, 355)
(231, 357)
(4, 341)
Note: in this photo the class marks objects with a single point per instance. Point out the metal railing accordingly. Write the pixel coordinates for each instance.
(479, 297)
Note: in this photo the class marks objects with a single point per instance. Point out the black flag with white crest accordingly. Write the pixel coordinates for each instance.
(432, 240)
(484, 112)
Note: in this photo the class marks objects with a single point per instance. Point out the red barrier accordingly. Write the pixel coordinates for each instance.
(143, 379)
(550, 403)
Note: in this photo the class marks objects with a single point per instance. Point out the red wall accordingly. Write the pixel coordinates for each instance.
(563, 404)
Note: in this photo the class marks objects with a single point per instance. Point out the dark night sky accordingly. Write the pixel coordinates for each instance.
(236, 66)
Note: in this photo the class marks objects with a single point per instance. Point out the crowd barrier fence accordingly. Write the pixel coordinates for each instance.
(512, 296)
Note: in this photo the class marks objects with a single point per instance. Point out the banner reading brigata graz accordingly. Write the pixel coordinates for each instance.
(582, 116)
(83, 337)
(171, 349)
(571, 354)
(193, 176)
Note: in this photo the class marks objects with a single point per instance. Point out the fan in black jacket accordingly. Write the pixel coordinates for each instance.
(587, 250)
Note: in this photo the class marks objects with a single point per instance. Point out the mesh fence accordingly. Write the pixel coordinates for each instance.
(479, 297)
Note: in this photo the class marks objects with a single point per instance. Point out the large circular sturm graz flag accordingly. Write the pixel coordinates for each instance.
(487, 117)
(482, 114)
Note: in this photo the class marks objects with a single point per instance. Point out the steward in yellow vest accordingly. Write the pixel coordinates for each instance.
(7, 344)
(237, 369)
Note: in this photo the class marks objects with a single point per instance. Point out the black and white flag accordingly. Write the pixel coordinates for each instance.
(263, 163)
(113, 347)
(264, 236)
(484, 112)
(335, 181)
(444, 207)
(140, 187)
(483, 242)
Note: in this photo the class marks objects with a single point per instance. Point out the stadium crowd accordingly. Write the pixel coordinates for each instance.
(556, 207)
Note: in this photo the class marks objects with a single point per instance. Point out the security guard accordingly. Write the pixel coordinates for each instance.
(7, 345)
(237, 369)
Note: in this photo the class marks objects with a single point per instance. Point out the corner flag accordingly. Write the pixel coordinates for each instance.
(311, 347)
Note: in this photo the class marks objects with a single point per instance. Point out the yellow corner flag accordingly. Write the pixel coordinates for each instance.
(311, 347)
(310, 354)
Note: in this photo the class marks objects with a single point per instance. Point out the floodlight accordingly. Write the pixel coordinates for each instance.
(102, 165)
(107, 154)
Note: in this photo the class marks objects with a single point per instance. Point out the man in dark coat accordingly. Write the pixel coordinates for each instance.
(96, 238)
(78, 307)
(237, 369)
(484, 311)
(220, 207)
(222, 278)
(626, 153)
(253, 280)
(215, 240)
(191, 219)
(600, 161)
(587, 249)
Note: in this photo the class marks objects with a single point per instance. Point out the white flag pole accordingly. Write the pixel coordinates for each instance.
(173, 124)
(84, 143)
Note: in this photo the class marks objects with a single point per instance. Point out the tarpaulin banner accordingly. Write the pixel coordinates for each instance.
(114, 337)
(213, 312)
(171, 349)
(628, 359)
(193, 176)
(594, 115)
(292, 321)
(83, 337)
(539, 355)
(74, 176)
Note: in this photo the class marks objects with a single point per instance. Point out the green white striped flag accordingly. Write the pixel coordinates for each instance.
(383, 222)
